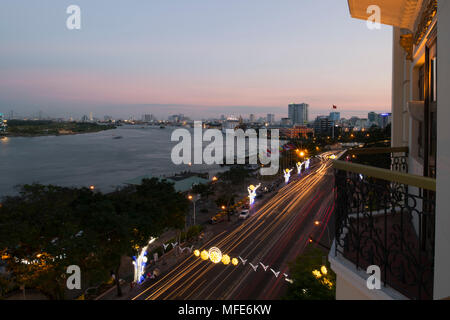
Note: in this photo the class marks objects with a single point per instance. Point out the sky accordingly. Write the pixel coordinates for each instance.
(202, 58)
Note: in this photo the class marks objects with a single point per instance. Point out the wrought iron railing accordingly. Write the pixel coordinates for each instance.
(386, 218)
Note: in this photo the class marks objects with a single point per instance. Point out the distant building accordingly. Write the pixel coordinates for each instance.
(148, 118)
(384, 119)
(3, 123)
(323, 125)
(252, 117)
(298, 113)
(177, 118)
(297, 132)
(91, 117)
(230, 123)
(84, 118)
(286, 122)
(335, 116)
(270, 118)
(373, 117)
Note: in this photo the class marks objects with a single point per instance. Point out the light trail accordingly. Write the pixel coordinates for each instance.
(268, 229)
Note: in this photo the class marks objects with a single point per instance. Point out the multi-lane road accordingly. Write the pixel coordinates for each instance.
(274, 235)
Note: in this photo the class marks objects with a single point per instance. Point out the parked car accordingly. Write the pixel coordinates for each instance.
(244, 214)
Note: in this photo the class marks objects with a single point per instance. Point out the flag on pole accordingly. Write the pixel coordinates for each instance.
(334, 106)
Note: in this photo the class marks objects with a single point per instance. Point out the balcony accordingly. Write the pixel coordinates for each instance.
(386, 217)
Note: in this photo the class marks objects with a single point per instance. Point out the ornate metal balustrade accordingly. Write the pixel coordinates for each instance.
(395, 159)
(386, 218)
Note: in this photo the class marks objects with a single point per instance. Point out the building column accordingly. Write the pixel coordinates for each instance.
(442, 240)
(398, 72)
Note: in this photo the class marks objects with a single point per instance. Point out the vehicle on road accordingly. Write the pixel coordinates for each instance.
(244, 214)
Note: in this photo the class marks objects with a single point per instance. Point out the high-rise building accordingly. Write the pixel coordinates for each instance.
(298, 113)
(252, 117)
(148, 118)
(384, 119)
(372, 116)
(335, 116)
(2, 123)
(270, 118)
(91, 117)
(323, 125)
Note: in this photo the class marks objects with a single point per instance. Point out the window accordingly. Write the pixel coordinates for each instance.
(433, 80)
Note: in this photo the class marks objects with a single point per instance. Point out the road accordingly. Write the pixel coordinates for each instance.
(274, 235)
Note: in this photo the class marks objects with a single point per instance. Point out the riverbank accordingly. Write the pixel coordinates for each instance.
(38, 128)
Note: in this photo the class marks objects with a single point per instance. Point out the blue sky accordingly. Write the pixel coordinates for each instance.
(198, 57)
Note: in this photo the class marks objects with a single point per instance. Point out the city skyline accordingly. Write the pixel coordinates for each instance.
(38, 114)
(252, 58)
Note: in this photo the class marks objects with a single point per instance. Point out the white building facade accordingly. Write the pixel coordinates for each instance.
(420, 117)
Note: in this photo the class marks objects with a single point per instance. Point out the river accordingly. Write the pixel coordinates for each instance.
(90, 159)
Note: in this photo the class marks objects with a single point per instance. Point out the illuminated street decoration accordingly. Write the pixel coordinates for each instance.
(317, 274)
(324, 270)
(252, 193)
(307, 163)
(215, 255)
(243, 261)
(264, 267)
(226, 259)
(276, 274)
(140, 262)
(299, 167)
(204, 255)
(287, 175)
(254, 267)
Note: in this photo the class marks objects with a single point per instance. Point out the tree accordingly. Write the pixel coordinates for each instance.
(41, 234)
(204, 190)
(235, 175)
(140, 212)
(45, 229)
(309, 282)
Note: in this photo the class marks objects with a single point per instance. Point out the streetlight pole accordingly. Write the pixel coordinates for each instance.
(194, 199)
(194, 210)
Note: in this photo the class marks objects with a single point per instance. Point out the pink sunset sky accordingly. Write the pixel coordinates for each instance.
(200, 59)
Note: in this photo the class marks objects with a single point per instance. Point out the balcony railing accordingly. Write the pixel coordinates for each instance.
(385, 217)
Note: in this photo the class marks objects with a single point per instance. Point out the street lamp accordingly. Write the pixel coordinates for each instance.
(194, 199)
(92, 187)
(318, 223)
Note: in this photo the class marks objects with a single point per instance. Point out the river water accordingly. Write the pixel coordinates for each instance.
(90, 159)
